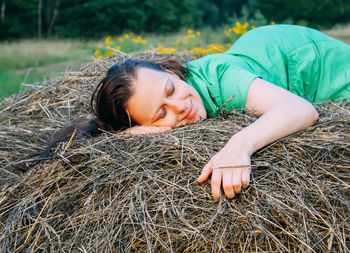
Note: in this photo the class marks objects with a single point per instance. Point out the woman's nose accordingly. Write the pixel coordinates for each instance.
(177, 105)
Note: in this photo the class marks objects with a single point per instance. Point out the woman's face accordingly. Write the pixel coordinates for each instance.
(163, 99)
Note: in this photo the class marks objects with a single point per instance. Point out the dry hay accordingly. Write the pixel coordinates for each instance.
(118, 193)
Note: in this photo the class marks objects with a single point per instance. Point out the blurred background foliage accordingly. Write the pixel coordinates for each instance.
(41, 39)
(93, 18)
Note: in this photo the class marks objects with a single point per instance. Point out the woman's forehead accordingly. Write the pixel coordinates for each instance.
(148, 93)
(149, 75)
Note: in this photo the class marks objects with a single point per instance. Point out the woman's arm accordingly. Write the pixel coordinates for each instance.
(281, 113)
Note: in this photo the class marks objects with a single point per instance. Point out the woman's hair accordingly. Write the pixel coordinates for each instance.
(108, 103)
(112, 93)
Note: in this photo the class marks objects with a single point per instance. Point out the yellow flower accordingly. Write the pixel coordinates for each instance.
(273, 23)
(240, 29)
(217, 48)
(253, 26)
(118, 47)
(121, 39)
(198, 33)
(144, 42)
(227, 33)
(236, 30)
(200, 50)
(100, 57)
(189, 31)
(107, 39)
(97, 52)
(166, 50)
(139, 37)
(109, 52)
(127, 36)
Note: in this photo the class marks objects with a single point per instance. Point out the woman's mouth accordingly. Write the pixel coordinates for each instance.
(190, 111)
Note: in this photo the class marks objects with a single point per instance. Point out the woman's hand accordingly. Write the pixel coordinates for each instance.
(281, 113)
(225, 170)
(140, 130)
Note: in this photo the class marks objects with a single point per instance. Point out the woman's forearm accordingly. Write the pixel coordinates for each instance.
(286, 117)
(281, 113)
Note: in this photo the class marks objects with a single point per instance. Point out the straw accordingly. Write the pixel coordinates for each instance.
(122, 193)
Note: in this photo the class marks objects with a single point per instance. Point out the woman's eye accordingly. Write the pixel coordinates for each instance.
(172, 89)
(163, 114)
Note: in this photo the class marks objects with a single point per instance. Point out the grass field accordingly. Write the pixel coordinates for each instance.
(29, 61)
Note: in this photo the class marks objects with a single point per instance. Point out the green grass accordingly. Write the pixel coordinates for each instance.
(30, 61)
(10, 81)
(340, 32)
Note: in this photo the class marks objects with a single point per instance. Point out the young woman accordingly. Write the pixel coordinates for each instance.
(273, 72)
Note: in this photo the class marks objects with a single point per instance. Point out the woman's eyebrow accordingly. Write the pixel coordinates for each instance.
(155, 117)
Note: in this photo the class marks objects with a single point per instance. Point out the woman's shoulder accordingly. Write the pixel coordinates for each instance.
(214, 61)
(279, 30)
(270, 38)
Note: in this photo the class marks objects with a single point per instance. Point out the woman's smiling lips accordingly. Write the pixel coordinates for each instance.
(191, 111)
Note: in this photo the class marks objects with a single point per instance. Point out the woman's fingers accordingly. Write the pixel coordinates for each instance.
(227, 184)
(216, 184)
(160, 129)
(206, 171)
(246, 177)
(232, 181)
(237, 180)
(229, 169)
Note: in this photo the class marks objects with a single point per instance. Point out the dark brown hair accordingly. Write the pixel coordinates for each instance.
(108, 104)
(109, 98)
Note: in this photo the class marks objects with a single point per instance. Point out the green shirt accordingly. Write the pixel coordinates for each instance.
(299, 59)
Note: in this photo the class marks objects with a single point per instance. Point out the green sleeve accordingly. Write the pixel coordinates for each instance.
(222, 81)
(234, 85)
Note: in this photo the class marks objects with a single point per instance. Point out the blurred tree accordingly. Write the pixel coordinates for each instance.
(318, 13)
(228, 8)
(3, 9)
(116, 16)
(40, 8)
(20, 19)
(161, 15)
(95, 18)
(50, 13)
(89, 18)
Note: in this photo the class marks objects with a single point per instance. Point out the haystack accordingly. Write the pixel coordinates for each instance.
(120, 193)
